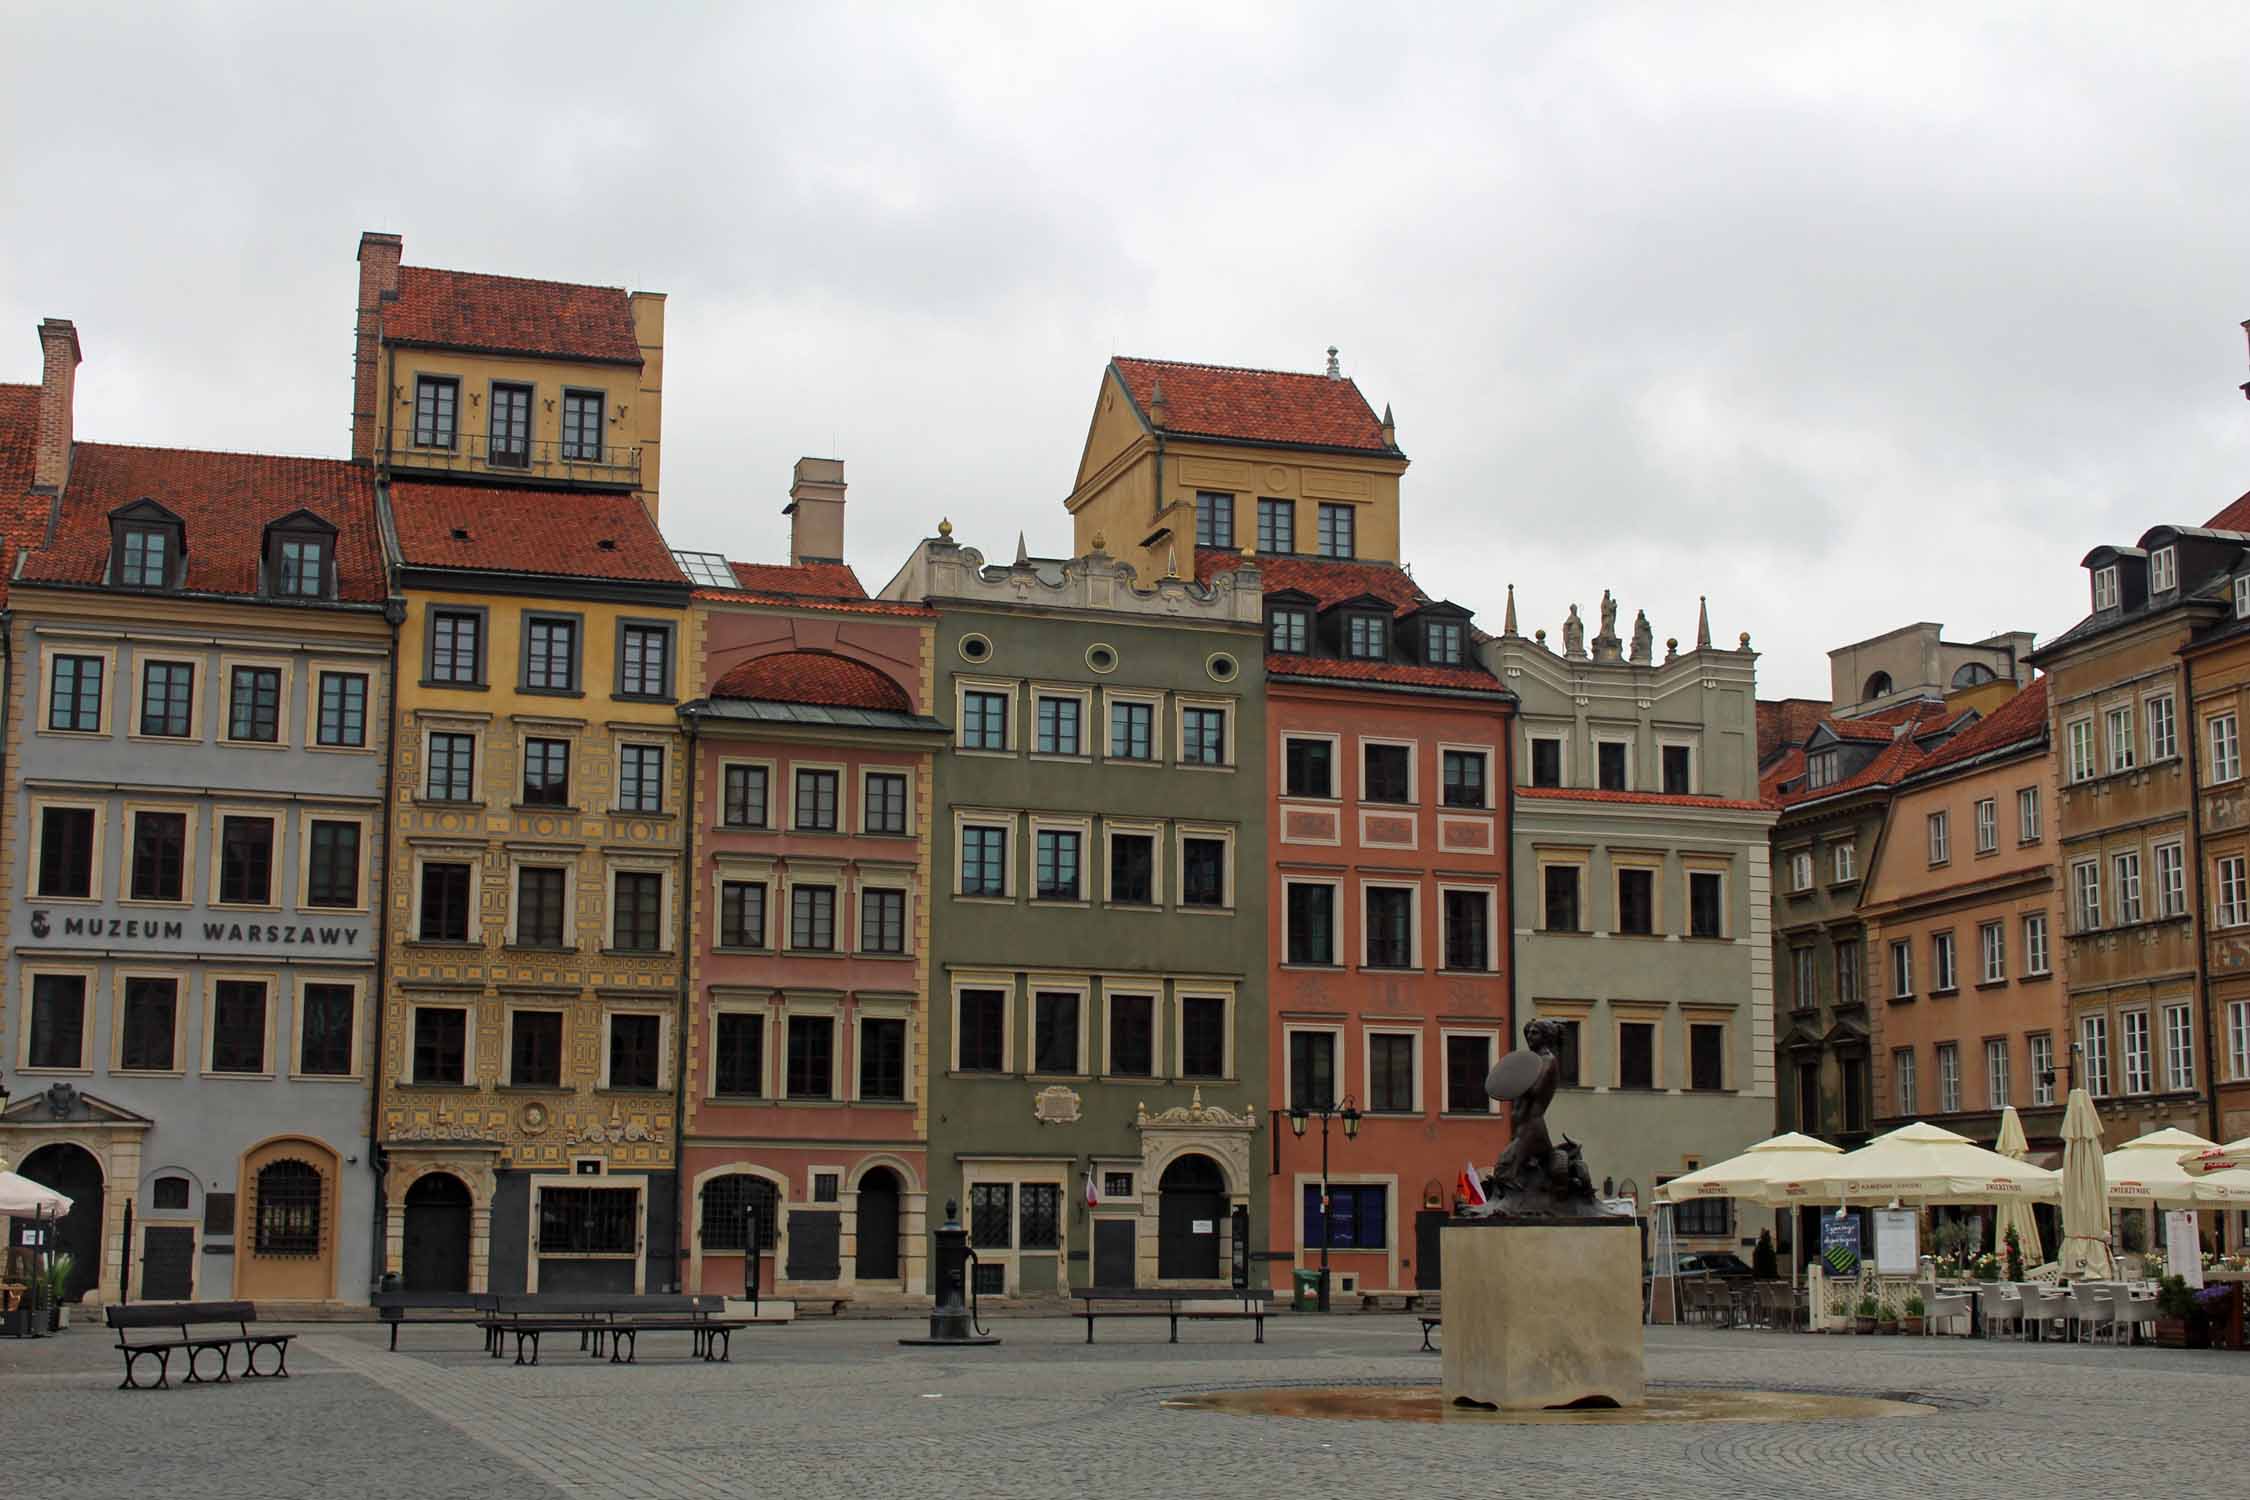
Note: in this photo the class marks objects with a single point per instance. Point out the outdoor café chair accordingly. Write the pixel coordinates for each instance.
(2042, 1305)
(1946, 1305)
(2089, 1311)
(2132, 1312)
(2001, 1304)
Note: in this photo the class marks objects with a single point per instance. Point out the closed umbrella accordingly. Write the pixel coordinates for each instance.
(2085, 1197)
(2015, 1213)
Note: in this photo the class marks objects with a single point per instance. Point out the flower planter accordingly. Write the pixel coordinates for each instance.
(1886, 1325)
(2182, 1333)
(1911, 1324)
(1864, 1325)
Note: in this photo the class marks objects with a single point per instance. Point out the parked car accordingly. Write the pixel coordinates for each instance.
(1708, 1263)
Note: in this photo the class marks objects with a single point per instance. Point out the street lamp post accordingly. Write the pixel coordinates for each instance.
(1299, 1116)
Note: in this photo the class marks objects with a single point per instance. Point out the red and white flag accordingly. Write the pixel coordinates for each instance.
(1093, 1196)
(1472, 1186)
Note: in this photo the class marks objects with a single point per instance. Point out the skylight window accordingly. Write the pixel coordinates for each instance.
(706, 568)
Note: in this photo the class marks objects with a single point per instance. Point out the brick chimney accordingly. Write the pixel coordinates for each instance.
(816, 511)
(379, 255)
(58, 390)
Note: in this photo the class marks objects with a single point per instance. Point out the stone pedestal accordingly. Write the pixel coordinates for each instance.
(1543, 1313)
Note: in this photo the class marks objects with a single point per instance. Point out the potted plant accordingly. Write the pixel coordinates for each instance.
(2014, 1254)
(1865, 1314)
(1915, 1309)
(58, 1287)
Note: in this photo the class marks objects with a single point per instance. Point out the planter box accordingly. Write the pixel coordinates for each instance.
(1911, 1324)
(1886, 1325)
(1865, 1325)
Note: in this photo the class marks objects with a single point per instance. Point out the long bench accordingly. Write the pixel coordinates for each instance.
(400, 1308)
(1432, 1318)
(1168, 1303)
(157, 1330)
(612, 1323)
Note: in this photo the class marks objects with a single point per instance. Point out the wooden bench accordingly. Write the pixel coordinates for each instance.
(400, 1308)
(614, 1323)
(1166, 1302)
(1432, 1319)
(155, 1330)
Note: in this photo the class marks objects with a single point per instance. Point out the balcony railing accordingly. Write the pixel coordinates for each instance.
(563, 462)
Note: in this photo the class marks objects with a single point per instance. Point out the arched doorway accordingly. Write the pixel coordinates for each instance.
(73, 1172)
(435, 1256)
(1191, 1212)
(878, 1226)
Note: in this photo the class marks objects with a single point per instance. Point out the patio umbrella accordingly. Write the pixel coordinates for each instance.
(2146, 1173)
(23, 1198)
(2015, 1213)
(2218, 1158)
(1924, 1163)
(1758, 1174)
(2085, 1198)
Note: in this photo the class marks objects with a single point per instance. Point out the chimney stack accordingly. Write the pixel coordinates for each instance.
(816, 511)
(379, 255)
(58, 390)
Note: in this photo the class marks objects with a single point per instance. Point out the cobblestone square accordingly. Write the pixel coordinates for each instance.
(838, 1408)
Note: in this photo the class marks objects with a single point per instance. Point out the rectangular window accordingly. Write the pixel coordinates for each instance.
(445, 903)
(1132, 868)
(300, 566)
(2163, 731)
(1566, 1053)
(1800, 870)
(1390, 927)
(2027, 815)
(582, 427)
(546, 773)
(1821, 770)
(1560, 891)
(1806, 966)
(453, 764)
(1846, 861)
(1203, 872)
(1988, 825)
(1214, 519)
(342, 718)
(2086, 894)
(1992, 953)
(456, 646)
(1132, 1035)
(74, 695)
(540, 897)
(991, 1215)
(1636, 901)
(1902, 1071)
(550, 655)
(2226, 749)
(981, 1030)
(1847, 972)
(1055, 860)
(2171, 880)
(2238, 1035)
(984, 861)
(1309, 767)
(66, 852)
(637, 906)
(159, 856)
(1312, 923)
(2127, 869)
(168, 699)
(1941, 838)
(640, 780)
(58, 1022)
(1707, 1056)
(1546, 762)
(147, 559)
(436, 400)
(1942, 975)
(742, 914)
(1203, 736)
(441, 1044)
(882, 921)
(636, 1051)
(535, 1049)
(1678, 770)
(743, 802)
(1358, 1217)
(332, 863)
(1902, 971)
(882, 1058)
(2234, 892)
(238, 1026)
(1040, 1227)
(245, 861)
(1389, 773)
(885, 812)
(1468, 1060)
(1058, 731)
(2042, 1068)
(2134, 1025)
(2118, 726)
(1853, 1074)
(324, 1030)
(1312, 1070)
(2035, 944)
(1464, 778)
(1949, 1077)
(984, 721)
(1609, 766)
(644, 661)
(2179, 1049)
(1636, 1055)
(1054, 1031)
(2080, 733)
(816, 801)
(1277, 526)
(812, 918)
(1390, 1073)
(2163, 570)
(587, 1221)
(1468, 931)
(1203, 1037)
(151, 1025)
(738, 1064)
(1132, 731)
(2093, 1053)
(1443, 642)
(508, 439)
(1706, 891)
(1367, 637)
(1288, 631)
(1334, 531)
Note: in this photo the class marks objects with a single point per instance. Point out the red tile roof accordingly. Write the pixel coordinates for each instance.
(2021, 720)
(225, 501)
(498, 530)
(1264, 406)
(508, 315)
(1328, 581)
(2236, 517)
(816, 677)
(23, 515)
(828, 587)
(1899, 759)
(1405, 674)
(1650, 799)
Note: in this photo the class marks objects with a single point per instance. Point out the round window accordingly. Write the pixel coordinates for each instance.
(975, 648)
(1221, 666)
(1101, 658)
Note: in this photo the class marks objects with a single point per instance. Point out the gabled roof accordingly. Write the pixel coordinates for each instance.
(2021, 722)
(1891, 764)
(1255, 406)
(2234, 516)
(491, 529)
(23, 515)
(510, 315)
(225, 502)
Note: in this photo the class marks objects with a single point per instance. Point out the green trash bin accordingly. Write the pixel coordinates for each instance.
(1308, 1290)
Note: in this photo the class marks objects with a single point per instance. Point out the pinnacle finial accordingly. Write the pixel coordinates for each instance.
(1508, 624)
(1702, 622)
(945, 528)
(1101, 541)
(1335, 370)
(1023, 553)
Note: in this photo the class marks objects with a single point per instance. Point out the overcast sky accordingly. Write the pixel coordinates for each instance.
(1846, 323)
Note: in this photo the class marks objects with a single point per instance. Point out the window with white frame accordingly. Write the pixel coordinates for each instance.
(2086, 894)
(2238, 1039)
(2242, 597)
(2093, 1053)
(1805, 966)
(1846, 862)
(2162, 723)
(1988, 825)
(2163, 570)
(1847, 972)
(2027, 815)
(1902, 970)
(1941, 838)
(1820, 770)
(2226, 748)
(1992, 953)
(2133, 1044)
(2080, 734)
(2118, 729)
(2126, 870)
(1996, 1073)
(2233, 884)
(2042, 1067)
(2171, 880)
(1902, 1070)
(1800, 870)
(2035, 943)
(1948, 1077)
(2105, 587)
(2179, 1049)
(1942, 976)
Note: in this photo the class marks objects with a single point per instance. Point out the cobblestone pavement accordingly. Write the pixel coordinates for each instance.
(837, 1408)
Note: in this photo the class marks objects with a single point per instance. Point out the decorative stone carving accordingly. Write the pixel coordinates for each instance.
(1573, 634)
(1055, 1106)
(1643, 637)
(1609, 614)
(1195, 1113)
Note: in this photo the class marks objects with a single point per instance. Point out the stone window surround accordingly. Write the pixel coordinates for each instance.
(128, 814)
(1494, 1035)
(1010, 882)
(1334, 883)
(377, 721)
(872, 877)
(1493, 936)
(1637, 1012)
(1229, 710)
(1184, 991)
(1368, 1031)
(665, 1061)
(1413, 748)
(876, 1007)
(1694, 1014)
(199, 698)
(1008, 688)
(1651, 860)
(665, 747)
(477, 727)
(1005, 983)
(905, 771)
(26, 986)
(279, 816)
(184, 995)
(282, 717)
(1580, 859)
(356, 982)
(1135, 989)
(547, 857)
(1153, 700)
(1287, 1058)
(367, 829)
(469, 1004)
(447, 852)
(718, 822)
(1083, 826)
(1692, 744)
(1491, 756)
(1058, 984)
(1334, 740)
(49, 649)
(1088, 729)
(213, 977)
(1721, 865)
(614, 865)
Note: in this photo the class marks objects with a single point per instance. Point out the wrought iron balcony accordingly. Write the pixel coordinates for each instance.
(569, 462)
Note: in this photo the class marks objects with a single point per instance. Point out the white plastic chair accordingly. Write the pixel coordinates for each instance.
(1945, 1305)
(2001, 1304)
(2089, 1304)
(2042, 1306)
(2132, 1312)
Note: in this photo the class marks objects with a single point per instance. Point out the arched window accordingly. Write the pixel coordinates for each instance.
(724, 1199)
(288, 1216)
(1973, 674)
(1878, 686)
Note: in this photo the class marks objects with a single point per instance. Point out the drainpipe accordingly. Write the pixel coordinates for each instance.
(1508, 833)
(689, 886)
(2195, 845)
(394, 612)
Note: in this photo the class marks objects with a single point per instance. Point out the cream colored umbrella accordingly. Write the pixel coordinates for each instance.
(2085, 1197)
(1757, 1174)
(2146, 1173)
(1924, 1163)
(2227, 1158)
(2015, 1213)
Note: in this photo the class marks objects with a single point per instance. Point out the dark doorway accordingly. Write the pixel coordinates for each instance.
(878, 1226)
(1113, 1252)
(168, 1263)
(1427, 1270)
(436, 1255)
(73, 1172)
(1190, 1215)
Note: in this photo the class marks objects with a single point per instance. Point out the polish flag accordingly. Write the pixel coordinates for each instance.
(1472, 1187)
(1093, 1197)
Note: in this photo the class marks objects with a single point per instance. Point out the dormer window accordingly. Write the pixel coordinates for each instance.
(2105, 587)
(300, 557)
(1289, 631)
(2163, 570)
(1820, 770)
(146, 546)
(1366, 636)
(1444, 641)
(2242, 597)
